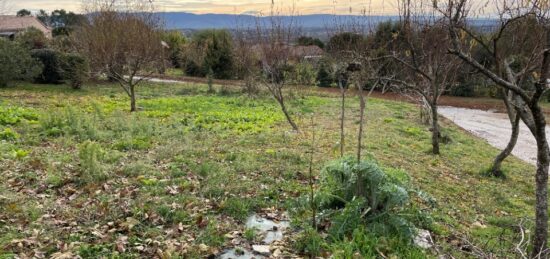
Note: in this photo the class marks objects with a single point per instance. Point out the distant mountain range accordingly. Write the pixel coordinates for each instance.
(182, 20)
(190, 21)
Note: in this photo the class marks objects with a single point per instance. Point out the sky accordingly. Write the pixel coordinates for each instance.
(229, 6)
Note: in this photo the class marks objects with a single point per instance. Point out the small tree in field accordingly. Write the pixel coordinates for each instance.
(527, 95)
(342, 49)
(123, 41)
(428, 71)
(246, 62)
(505, 49)
(273, 38)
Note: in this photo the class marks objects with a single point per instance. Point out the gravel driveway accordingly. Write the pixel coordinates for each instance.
(495, 128)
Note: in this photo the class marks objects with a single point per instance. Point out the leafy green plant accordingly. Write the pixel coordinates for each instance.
(14, 115)
(342, 179)
(354, 194)
(19, 153)
(91, 154)
(9, 134)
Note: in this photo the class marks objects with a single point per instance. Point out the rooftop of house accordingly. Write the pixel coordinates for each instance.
(9, 23)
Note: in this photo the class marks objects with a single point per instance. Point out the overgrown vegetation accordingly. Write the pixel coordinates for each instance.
(203, 162)
(16, 63)
(81, 177)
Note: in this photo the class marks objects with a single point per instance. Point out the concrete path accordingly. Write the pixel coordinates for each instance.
(495, 128)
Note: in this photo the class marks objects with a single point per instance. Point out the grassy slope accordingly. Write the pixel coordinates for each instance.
(190, 167)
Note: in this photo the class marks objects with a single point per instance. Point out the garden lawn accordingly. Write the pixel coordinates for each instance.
(80, 175)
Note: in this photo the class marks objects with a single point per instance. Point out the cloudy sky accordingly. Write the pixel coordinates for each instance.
(229, 6)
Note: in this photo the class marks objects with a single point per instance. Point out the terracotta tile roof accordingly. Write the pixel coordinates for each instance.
(9, 23)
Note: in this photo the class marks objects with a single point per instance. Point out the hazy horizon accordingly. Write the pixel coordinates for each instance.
(381, 7)
(303, 7)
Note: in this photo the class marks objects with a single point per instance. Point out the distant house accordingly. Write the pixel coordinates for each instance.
(11, 25)
(312, 52)
(297, 53)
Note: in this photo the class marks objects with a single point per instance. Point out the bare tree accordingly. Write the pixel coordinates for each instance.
(341, 75)
(513, 116)
(347, 49)
(122, 40)
(525, 94)
(354, 63)
(273, 37)
(342, 81)
(428, 70)
(246, 61)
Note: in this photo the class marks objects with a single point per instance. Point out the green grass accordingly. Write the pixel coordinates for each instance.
(190, 166)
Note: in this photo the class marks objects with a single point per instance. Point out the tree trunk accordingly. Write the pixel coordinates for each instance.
(497, 163)
(361, 122)
(435, 129)
(287, 115)
(342, 117)
(543, 161)
(132, 99)
(543, 156)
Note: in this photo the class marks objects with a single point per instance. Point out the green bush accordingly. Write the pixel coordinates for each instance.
(463, 90)
(16, 63)
(348, 180)
(301, 74)
(76, 70)
(323, 77)
(365, 195)
(210, 49)
(32, 38)
(310, 41)
(52, 61)
(369, 210)
(176, 41)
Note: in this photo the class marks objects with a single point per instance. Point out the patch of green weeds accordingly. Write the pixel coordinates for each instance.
(309, 242)
(14, 115)
(211, 235)
(91, 155)
(238, 208)
(414, 131)
(250, 234)
(9, 134)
